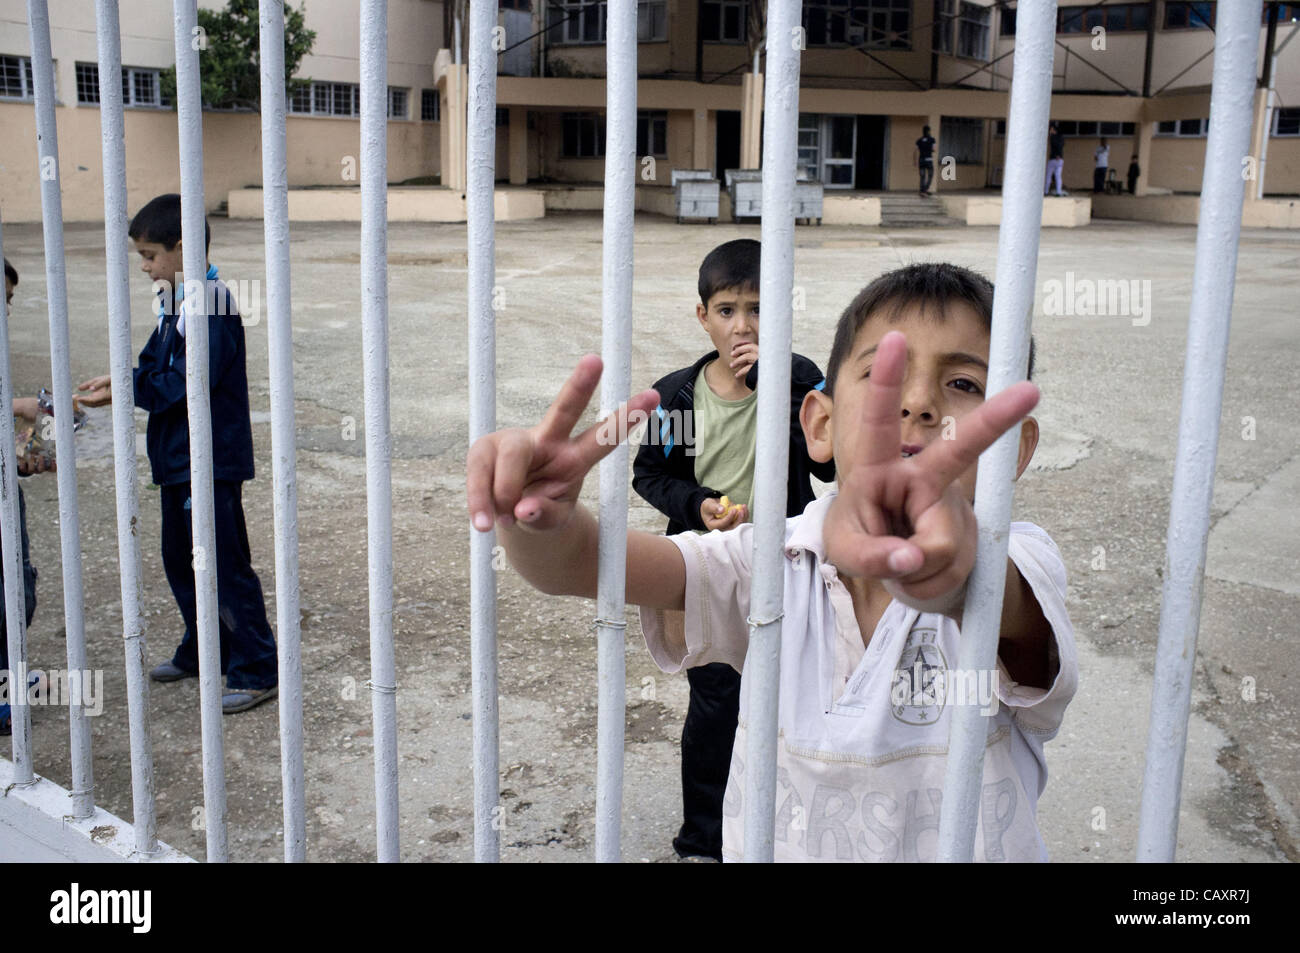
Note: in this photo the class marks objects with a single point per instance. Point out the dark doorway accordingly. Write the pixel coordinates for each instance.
(869, 166)
(728, 144)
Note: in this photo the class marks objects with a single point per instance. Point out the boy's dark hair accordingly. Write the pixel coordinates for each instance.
(160, 221)
(925, 130)
(932, 285)
(11, 273)
(731, 265)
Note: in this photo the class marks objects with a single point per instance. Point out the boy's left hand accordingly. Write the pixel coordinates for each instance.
(100, 391)
(906, 520)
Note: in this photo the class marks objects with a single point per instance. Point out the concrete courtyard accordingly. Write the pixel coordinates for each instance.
(1099, 484)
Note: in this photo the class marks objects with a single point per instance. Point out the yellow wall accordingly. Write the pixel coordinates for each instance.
(232, 156)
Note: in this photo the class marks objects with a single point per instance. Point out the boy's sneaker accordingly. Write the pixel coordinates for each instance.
(242, 699)
(167, 672)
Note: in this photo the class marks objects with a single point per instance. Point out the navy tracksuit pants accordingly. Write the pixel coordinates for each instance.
(707, 737)
(248, 655)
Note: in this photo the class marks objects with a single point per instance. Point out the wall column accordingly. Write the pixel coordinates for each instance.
(518, 145)
(751, 120)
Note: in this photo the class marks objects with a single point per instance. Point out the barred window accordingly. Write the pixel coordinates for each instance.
(16, 77)
(88, 83)
(962, 138)
(397, 102)
(327, 99)
(430, 105)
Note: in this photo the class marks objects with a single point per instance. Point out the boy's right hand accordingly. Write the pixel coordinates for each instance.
(535, 475)
(717, 516)
(100, 391)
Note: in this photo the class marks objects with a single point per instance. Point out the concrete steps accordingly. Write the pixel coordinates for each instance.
(904, 210)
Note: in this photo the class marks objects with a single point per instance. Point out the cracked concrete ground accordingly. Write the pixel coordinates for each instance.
(1100, 485)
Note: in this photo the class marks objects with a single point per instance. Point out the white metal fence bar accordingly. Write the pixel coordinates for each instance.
(1214, 273)
(481, 232)
(1022, 210)
(113, 147)
(189, 109)
(83, 776)
(615, 384)
(772, 451)
(12, 550)
(379, 440)
(284, 469)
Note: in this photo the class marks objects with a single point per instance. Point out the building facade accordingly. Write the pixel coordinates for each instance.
(873, 73)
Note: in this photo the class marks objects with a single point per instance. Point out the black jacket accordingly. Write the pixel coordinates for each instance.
(664, 475)
(160, 389)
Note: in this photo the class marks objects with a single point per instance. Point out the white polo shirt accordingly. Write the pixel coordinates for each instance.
(863, 734)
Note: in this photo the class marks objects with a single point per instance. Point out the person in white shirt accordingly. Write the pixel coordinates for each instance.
(875, 577)
(1102, 157)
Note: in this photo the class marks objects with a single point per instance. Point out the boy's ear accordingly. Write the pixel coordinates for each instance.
(815, 418)
(1028, 443)
(701, 314)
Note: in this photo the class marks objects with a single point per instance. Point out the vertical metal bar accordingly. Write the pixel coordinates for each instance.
(12, 550)
(113, 147)
(83, 776)
(776, 282)
(615, 383)
(379, 440)
(481, 174)
(189, 109)
(279, 327)
(1214, 273)
(1022, 210)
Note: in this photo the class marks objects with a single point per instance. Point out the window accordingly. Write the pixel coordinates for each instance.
(430, 105)
(1286, 122)
(88, 83)
(1000, 128)
(1286, 13)
(973, 32)
(584, 136)
(1088, 129)
(651, 21)
(1189, 16)
(327, 99)
(652, 134)
(16, 77)
(1183, 127)
(583, 21)
(944, 15)
(878, 24)
(1007, 22)
(1115, 17)
(962, 138)
(397, 102)
(142, 87)
(503, 116)
(724, 21)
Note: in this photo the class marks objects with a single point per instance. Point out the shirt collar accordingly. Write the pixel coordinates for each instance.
(807, 533)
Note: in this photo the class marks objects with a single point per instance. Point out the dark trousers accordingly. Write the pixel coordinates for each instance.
(1099, 179)
(248, 657)
(706, 757)
(29, 585)
(927, 174)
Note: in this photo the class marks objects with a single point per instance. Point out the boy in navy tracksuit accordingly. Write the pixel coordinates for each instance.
(248, 653)
(687, 470)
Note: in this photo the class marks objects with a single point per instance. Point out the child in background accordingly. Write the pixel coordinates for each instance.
(688, 484)
(248, 652)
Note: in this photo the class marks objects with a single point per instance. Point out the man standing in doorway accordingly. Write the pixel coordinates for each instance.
(1055, 160)
(1102, 155)
(923, 157)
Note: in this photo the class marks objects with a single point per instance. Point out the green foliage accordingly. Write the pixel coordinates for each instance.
(229, 54)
